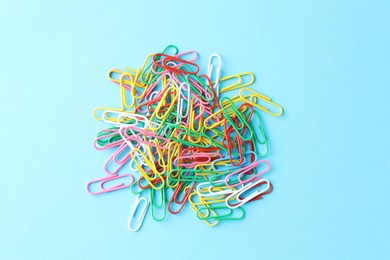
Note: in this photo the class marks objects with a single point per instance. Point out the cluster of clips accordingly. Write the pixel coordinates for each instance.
(186, 139)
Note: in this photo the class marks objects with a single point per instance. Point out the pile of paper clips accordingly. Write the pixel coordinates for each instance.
(189, 141)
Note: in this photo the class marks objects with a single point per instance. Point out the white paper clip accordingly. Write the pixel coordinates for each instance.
(180, 102)
(142, 215)
(236, 195)
(216, 72)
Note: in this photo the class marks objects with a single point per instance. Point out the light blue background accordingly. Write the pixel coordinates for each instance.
(326, 62)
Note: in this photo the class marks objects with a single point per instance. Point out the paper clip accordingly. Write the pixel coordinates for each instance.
(225, 216)
(216, 72)
(263, 139)
(155, 206)
(261, 97)
(104, 180)
(151, 180)
(202, 202)
(244, 172)
(147, 77)
(239, 83)
(142, 215)
(174, 201)
(245, 188)
(107, 138)
(180, 102)
(115, 160)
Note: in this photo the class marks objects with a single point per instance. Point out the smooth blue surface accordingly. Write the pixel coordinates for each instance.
(326, 62)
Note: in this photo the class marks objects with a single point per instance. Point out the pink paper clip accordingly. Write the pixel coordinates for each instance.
(114, 159)
(104, 180)
(257, 176)
(243, 170)
(142, 133)
(183, 54)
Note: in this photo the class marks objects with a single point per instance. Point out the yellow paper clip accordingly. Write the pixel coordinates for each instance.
(249, 99)
(239, 83)
(195, 205)
(150, 164)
